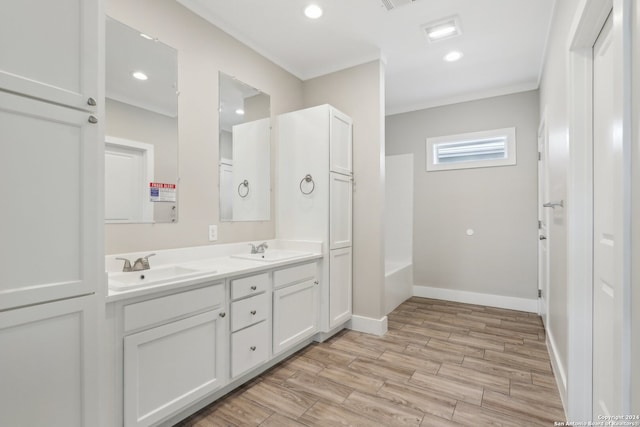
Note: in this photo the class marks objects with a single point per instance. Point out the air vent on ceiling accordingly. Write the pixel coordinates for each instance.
(394, 4)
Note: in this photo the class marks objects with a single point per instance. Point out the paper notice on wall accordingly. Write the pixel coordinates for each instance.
(161, 192)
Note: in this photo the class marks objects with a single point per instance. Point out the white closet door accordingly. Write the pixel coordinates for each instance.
(49, 50)
(341, 143)
(49, 156)
(49, 365)
(341, 207)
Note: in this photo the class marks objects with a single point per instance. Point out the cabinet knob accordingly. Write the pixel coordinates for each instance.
(222, 314)
(91, 101)
(316, 282)
(93, 119)
(252, 348)
(253, 312)
(254, 287)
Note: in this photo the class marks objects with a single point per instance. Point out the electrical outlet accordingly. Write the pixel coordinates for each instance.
(213, 233)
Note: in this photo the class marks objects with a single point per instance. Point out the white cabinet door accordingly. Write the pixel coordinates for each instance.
(341, 143)
(50, 50)
(340, 286)
(295, 314)
(168, 367)
(341, 206)
(49, 364)
(52, 198)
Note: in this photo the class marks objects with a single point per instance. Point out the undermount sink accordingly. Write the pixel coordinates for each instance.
(274, 255)
(153, 276)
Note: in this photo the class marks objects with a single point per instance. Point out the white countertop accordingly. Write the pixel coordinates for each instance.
(212, 265)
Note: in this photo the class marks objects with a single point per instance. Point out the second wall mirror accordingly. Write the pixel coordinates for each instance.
(245, 154)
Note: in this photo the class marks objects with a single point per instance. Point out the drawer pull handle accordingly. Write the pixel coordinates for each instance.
(253, 312)
(252, 348)
(222, 314)
(254, 287)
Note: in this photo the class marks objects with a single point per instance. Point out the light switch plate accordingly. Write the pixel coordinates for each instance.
(213, 233)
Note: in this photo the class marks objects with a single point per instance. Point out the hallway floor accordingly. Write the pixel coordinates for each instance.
(441, 364)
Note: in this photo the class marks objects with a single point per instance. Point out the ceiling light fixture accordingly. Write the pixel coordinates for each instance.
(139, 75)
(240, 112)
(313, 11)
(144, 36)
(453, 56)
(442, 29)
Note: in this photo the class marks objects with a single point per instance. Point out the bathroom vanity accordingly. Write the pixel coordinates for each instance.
(179, 343)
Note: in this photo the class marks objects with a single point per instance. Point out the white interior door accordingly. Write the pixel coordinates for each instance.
(608, 266)
(543, 223)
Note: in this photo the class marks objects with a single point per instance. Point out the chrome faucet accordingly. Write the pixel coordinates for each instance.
(258, 249)
(142, 263)
(127, 265)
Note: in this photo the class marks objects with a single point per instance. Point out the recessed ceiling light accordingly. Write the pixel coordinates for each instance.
(139, 75)
(442, 29)
(240, 112)
(453, 56)
(313, 11)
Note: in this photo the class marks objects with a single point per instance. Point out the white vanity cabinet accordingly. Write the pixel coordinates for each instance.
(174, 352)
(52, 193)
(315, 196)
(295, 305)
(250, 312)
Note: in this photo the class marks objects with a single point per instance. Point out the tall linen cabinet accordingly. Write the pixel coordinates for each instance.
(315, 187)
(51, 187)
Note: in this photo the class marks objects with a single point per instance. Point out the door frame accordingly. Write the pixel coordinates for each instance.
(543, 194)
(585, 29)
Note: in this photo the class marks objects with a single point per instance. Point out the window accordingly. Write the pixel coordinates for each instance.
(472, 150)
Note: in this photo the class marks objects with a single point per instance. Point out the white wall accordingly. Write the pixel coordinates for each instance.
(359, 92)
(635, 273)
(203, 51)
(499, 204)
(398, 209)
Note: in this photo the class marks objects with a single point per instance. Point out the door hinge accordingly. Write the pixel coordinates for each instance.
(539, 225)
(539, 155)
(539, 293)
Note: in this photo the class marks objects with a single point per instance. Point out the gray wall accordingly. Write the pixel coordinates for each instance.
(498, 203)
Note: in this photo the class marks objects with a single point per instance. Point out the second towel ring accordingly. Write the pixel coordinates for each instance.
(307, 178)
(244, 183)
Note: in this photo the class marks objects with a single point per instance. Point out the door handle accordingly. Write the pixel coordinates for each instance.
(543, 237)
(554, 204)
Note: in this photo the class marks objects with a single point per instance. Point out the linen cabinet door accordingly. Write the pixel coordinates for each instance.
(51, 197)
(49, 356)
(340, 286)
(341, 208)
(171, 366)
(341, 146)
(50, 50)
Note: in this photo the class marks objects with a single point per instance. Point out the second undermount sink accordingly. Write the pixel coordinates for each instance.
(272, 255)
(153, 276)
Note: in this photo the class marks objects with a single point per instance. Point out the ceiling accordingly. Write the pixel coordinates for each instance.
(503, 42)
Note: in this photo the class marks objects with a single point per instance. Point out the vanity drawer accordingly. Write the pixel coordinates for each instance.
(297, 274)
(248, 311)
(158, 310)
(249, 348)
(249, 285)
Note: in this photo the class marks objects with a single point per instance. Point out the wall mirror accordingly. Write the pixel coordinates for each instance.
(245, 159)
(141, 144)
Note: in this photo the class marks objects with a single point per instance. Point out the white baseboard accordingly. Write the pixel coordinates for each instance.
(512, 303)
(368, 325)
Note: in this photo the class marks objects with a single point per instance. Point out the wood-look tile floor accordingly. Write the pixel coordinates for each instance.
(441, 364)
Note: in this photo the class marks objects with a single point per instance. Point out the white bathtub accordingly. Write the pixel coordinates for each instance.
(398, 282)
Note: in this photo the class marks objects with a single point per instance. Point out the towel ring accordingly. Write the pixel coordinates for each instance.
(307, 178)
(244, 183)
